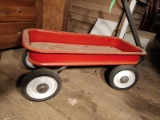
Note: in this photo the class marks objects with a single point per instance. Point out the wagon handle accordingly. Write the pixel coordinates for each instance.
(131, 23)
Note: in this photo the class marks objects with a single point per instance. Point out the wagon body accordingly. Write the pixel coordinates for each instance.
(57, 48)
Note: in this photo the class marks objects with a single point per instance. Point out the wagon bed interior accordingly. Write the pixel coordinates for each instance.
(74, 47)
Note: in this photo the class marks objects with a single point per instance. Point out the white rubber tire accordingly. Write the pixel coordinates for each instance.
(32, 85)
(40, 85)
(26, 62)
(123, 77)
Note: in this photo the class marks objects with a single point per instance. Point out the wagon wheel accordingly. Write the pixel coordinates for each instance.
(26, 62)
(40, 85)
(123, 77)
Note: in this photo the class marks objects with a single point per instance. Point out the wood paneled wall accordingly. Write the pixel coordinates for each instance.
(84, 13)
(15, 16)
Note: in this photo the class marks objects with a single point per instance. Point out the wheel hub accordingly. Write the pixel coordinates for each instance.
(42, 88)
(124, 79)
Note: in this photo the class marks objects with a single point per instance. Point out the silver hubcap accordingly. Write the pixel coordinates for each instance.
(42, 88)
(124, 79)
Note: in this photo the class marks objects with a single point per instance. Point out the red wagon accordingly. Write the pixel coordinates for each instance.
(56, 48)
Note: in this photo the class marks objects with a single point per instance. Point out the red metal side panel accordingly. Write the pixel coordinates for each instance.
(46, 59)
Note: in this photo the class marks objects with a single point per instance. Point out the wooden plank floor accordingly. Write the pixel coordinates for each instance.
(95, 100)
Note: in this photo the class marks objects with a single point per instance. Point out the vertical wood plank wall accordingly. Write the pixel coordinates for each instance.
(84, 13)
(53, 13)
(39, 12)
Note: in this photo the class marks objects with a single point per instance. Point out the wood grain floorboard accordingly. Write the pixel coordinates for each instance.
(94, 99)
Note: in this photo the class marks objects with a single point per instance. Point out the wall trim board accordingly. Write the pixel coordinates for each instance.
(95, 6)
